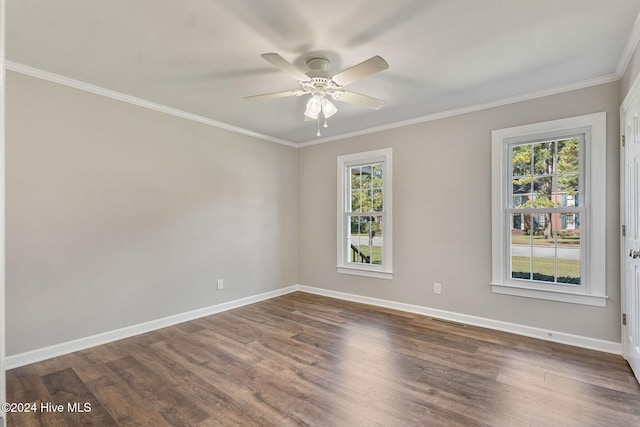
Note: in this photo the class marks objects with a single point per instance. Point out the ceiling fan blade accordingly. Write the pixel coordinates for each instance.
(366, 68)
(358, 99)
(285, 65)
(296, 92)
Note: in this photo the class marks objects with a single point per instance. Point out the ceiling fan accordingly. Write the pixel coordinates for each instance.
(322, 85)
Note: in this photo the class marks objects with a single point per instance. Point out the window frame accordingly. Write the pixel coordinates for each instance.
(384, 270)
(592, 290)
(539, 214)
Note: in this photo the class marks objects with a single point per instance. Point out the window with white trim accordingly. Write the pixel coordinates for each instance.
(364, 214)
(548, 217)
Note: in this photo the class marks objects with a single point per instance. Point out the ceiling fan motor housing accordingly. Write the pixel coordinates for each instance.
(318, 67)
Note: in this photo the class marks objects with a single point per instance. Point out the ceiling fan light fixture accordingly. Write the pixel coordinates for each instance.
(314, 106)
(328, 109)
(325, 87)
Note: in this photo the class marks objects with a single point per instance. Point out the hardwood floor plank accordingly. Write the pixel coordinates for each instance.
(23, 386)
(124, 405)
(221, 407)
(71, 395)
(176, 408)
(242, 393)
(303, 359)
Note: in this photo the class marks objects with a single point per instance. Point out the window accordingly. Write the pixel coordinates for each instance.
(364, 214)
(548, 215)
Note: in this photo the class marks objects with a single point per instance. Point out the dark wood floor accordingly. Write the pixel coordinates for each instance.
(303, 359)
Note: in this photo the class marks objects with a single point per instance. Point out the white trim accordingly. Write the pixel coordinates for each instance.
(384, 271)
(470, 109)
(551, 295)
(595, 184)
(76, 84)
(383, 274)
(629, 48)
(498, 325)
(622, 192)
(55, 350)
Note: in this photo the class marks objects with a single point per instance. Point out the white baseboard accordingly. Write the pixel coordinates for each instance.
(38, 355)
(514, 328)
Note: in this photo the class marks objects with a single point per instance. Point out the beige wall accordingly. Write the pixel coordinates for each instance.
(442, 215)
(118, 215)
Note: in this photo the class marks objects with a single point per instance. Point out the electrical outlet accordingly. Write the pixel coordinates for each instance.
(437, 288)
(220, 284)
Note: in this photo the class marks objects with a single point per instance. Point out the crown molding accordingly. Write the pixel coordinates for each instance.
(470, 109)
(629, 48)
(55, 78)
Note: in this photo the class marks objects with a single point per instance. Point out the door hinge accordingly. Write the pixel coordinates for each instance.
(624, 318)
(624, 230)
(623, 140)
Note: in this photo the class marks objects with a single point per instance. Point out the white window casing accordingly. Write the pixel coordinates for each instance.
(384, 270)
(592, 288)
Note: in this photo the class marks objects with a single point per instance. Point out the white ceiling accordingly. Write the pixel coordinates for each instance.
(203, 56)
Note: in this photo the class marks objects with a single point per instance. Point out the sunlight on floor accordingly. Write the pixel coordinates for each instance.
(368, 365)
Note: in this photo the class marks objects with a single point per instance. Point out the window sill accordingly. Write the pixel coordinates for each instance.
(571, 297)
(377, 274)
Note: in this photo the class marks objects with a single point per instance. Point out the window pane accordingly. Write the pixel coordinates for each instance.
(521, 160)
(366, 176)
(522, 186)
(544, 259)
(522, 192)
(356, 181)
(377, 175)
(516, 224)
(356, 201)
(366, 201)
(542, 188)
(522, 201)
(355, 233)
(521, 246)
(568, 242)
(568, 155)
(543, 158)
(569, 185)
(375, 239)
(377, 200)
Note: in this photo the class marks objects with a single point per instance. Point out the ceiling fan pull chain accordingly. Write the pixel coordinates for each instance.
(326, 125)
(318, 134)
